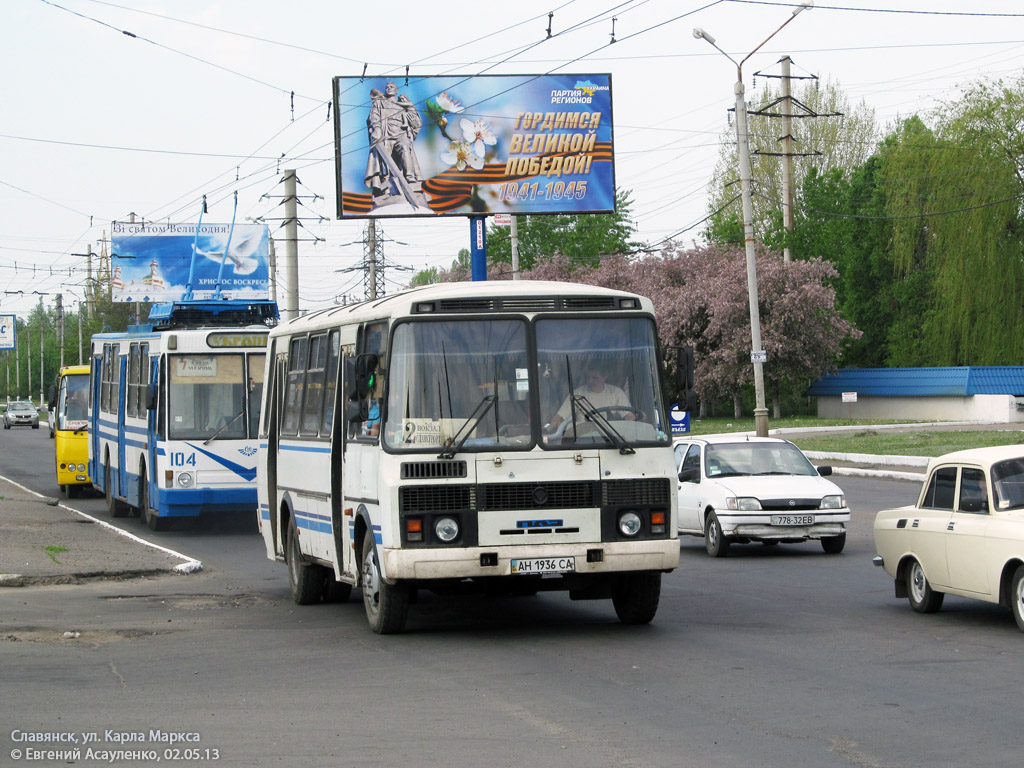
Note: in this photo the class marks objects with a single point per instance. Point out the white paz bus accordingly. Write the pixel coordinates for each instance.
(174, 410)
(510, 436)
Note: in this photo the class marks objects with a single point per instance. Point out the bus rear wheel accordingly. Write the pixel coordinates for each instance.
(305, 579)
(387, 605)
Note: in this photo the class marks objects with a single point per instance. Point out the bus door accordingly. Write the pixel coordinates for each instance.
(153, 431)
(122, 473)
(273, 418)
(94, 419)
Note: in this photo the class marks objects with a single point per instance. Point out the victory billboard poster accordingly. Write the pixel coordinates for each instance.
(473, 145)
(151, 262)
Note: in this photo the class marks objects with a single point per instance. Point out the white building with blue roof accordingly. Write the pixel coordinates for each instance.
(967, 393)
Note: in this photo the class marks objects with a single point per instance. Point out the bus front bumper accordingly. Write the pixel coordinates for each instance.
(593, 558)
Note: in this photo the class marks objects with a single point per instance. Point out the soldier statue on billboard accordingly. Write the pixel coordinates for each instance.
(392, 170)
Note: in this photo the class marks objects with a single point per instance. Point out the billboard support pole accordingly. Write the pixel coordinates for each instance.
(478, 247)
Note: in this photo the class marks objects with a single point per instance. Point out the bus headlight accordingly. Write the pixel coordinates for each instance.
(447, 529)
(629, 524)
(185, 479)
(81, 467)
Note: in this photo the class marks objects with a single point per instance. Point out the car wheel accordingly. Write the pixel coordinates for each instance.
(635, 597)
(114, 507)
(833, 545)
(305, 579)
(387, 605)
(714, 540)
(922, 597)
(1017, 597)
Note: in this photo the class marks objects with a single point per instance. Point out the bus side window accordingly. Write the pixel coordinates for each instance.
(331, 382)
(294, 385)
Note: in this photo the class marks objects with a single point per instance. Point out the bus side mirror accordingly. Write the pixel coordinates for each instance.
(51, 397)
(358, 408)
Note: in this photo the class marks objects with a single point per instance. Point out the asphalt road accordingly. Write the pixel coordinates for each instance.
(778, 656)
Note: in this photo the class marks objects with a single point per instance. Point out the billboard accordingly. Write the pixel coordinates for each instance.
(473, 145)
(151, 262)
(8, 332)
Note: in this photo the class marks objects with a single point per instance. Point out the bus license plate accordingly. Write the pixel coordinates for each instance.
(544, 565)
(792, 519)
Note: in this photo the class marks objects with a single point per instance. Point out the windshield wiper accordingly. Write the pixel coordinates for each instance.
(216, 434)
(455, 445)
(603, 424)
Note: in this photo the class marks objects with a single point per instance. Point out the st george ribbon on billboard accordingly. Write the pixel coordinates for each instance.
(473, 145)
(151, 262)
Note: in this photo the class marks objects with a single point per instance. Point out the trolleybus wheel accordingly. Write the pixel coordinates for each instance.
(153, 521)
(305, 579)
(387, 605)
(114, 507)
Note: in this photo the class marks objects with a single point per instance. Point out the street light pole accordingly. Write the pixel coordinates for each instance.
(757, 353)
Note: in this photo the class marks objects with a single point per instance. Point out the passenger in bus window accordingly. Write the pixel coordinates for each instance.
(371, 427)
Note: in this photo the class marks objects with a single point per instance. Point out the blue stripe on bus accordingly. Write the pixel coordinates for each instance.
(305, 448)
(376, 532)
(313, 522)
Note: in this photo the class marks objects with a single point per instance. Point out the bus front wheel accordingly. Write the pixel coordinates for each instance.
(305, 579)
(387, 605)
(635, 597)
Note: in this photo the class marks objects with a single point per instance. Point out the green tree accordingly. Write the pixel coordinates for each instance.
(841, 142)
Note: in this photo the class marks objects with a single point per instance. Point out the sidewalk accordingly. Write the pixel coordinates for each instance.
(44, 542)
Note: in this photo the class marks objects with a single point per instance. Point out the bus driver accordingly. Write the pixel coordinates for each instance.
(599, 393)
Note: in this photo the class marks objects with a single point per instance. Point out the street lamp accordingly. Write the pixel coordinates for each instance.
(757, 354)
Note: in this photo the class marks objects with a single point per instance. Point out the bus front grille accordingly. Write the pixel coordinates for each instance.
(526, 496)
(646, 491)
(422, 499)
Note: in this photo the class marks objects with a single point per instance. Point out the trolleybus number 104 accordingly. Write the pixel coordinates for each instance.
(182, 459)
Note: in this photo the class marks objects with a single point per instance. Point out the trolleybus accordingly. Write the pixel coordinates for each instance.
(505, 436)
(174, 409)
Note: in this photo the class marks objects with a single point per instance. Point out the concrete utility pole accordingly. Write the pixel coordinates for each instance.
(514, 236)
(291, 248)
(272, 258)
(757, 353)
(42, 335)
(787, 154)
(60, 327)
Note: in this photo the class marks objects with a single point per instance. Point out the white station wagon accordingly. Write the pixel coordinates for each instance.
(734, 488)
(965, 535)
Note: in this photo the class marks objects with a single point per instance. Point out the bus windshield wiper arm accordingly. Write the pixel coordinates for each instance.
(216, 434)
(474, 418)
(603, 424)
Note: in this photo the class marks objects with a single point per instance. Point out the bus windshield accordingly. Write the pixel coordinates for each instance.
(210, 394)
(468, 382)
(74, 396)
(442, 373)
(599, 381)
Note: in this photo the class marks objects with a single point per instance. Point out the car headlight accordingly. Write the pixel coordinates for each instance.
(447, 529)
(629, 524)
(743, 503)
(833, 502)
(185, 479)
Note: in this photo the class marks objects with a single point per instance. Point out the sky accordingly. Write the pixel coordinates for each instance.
(118, 108)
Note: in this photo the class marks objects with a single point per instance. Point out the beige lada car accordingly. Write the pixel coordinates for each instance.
(965, 535)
